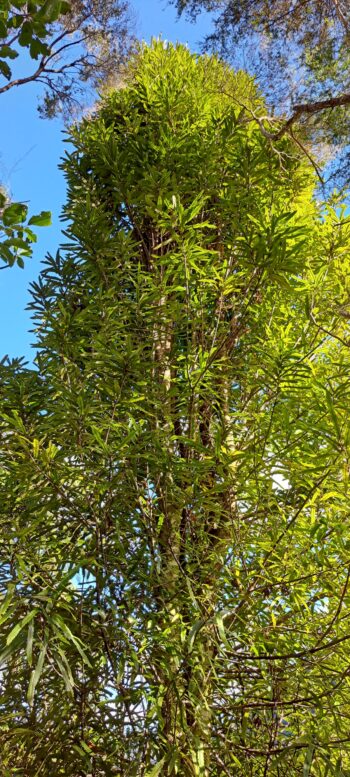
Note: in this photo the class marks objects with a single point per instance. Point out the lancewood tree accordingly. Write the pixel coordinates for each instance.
(174, 540)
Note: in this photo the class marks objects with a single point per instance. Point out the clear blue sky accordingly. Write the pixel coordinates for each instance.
(30, 150)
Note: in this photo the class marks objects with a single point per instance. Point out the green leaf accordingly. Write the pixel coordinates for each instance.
(197, 626)
(37, 47)
(43, 219)
(26, 34)
(29, 647)
(8, 52)
(5, 654)
(85, 747)
(338, 771)
(191, 594)
(65, 671)
(30, 236)
(19, 626)
(330, 405)
(79, 750)
(156, 769)
(308, 760)
(17, 242)
(16, 21)
(71, 637)
(5, 70)
(14, 213)
(50, 11)
(35, 675)
(221, 629)
(6, 255)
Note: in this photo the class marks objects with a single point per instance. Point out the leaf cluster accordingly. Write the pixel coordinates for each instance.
(17, 236)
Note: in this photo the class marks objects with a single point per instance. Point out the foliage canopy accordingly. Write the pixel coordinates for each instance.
(175, 471)
(300, 53)
(74, 46)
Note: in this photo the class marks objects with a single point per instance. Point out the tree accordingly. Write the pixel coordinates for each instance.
(175, 471)
(300, 53)
(75, 47)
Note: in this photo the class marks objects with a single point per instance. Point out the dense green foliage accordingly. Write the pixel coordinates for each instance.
(174, 501)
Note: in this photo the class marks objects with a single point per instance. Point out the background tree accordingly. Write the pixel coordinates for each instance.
(73, 48)
(300, 53)
(174, 500)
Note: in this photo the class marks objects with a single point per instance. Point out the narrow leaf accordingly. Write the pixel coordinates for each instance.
(156, 769)
(36, 674)
(19, 626)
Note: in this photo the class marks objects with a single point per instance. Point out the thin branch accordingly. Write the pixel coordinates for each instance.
(297, 746)
(301, 109)
(310, 109)
(328, 332)
(338, 610)
(21, 81)
(341, 16)
(42, 67)
(308, 155)
(287, 656)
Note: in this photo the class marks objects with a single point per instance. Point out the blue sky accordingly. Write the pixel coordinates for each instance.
(30, 150)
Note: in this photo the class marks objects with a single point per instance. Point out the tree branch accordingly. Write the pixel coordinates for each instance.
(309, 109)
(286, 656)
